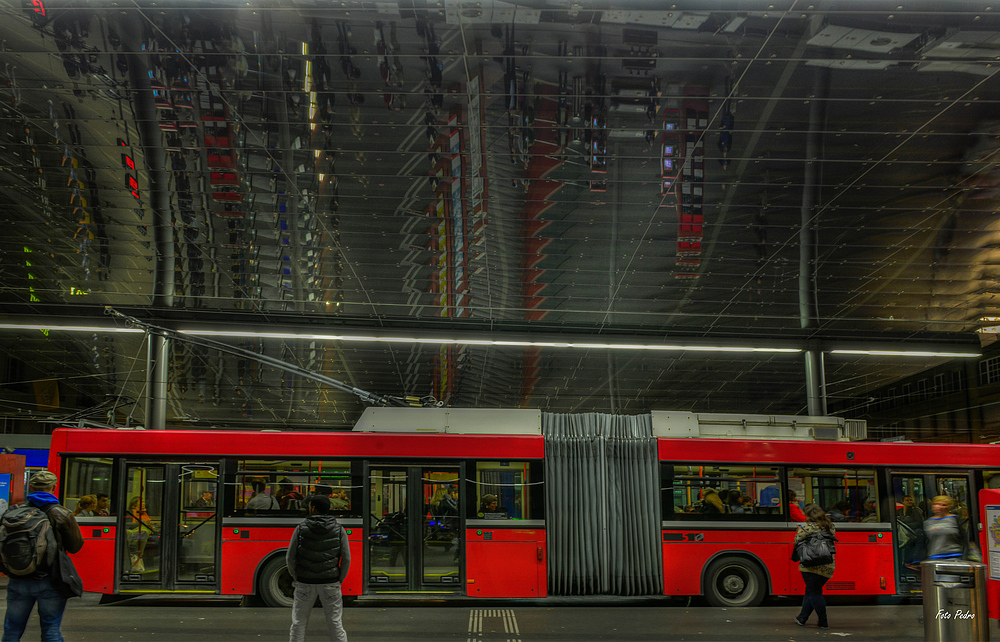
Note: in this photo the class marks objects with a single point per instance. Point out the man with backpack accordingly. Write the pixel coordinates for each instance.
(318, 558)
(31, 536)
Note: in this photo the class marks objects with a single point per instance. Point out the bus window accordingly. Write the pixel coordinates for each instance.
(281, 487)
(85, 476)
(729, 492)
(846, 494)
(506, 490)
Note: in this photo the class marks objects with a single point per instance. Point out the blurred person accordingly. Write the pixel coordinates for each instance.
(944, 536)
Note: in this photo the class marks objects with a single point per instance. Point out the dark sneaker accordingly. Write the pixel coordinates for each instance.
(799, 622)
(824, 626)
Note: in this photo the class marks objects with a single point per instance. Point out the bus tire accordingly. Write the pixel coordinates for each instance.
(275, 585)
(734, 581)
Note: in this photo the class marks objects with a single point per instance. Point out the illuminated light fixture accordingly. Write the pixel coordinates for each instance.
(910, 353)
(512, 343)
(357, 338)
(70, 328)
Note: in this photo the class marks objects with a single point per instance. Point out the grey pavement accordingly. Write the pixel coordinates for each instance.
(175, 619)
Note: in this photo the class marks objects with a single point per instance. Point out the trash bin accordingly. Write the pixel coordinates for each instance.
(954, 601)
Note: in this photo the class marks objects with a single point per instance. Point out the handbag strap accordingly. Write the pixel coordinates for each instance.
(47, 509)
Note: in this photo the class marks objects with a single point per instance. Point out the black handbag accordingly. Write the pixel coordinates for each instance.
(816, 549)
(62, 573)
(65, 580)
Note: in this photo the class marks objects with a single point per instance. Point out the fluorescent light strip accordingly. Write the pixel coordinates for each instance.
(915, 353)
(360, 338)
(485, 342)
(69, 328)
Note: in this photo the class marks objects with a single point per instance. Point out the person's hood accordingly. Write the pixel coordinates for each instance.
(41, 498)
(321, 523)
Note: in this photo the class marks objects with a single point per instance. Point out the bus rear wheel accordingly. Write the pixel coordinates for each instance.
(734, 581)
(276, 586)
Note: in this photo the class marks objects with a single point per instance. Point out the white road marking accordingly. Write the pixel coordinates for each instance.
(476, 617)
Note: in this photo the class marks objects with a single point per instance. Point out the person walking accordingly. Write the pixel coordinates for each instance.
(318, 559)
(814, 576)
(943, 533)
(23, 592)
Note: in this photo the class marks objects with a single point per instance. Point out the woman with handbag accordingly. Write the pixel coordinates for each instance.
(818, 527)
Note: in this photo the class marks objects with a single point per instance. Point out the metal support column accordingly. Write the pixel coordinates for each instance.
(156, 380)
(808, 299)
(131, 28)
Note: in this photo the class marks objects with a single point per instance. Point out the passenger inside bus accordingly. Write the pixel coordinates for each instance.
(736, 504)
(489, 507)
(710, 503)
(339, 501)
(86, 506)
(910, 531)
(141, 531)
(795, 513)
(288, 497)
(261, 501)
(205, 501)
(870, 511)
(839, 511)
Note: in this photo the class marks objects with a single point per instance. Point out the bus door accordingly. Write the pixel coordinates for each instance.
(414, 526)
(913, 493)
(169, 532)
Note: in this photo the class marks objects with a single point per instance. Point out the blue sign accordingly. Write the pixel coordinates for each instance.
(4, 492)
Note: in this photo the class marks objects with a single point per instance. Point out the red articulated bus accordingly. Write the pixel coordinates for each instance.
(513, 504)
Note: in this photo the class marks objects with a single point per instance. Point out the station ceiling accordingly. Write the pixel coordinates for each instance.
(433, 200)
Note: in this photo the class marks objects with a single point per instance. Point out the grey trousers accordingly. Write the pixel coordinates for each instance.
(333, 607)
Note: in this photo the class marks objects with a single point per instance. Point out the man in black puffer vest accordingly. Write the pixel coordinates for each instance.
(318, 558)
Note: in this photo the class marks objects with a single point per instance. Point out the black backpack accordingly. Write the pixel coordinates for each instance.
(28, 543)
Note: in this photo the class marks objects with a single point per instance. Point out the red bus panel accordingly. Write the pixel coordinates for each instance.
(243, 543)
(864, 560)
(208, 444)
(96, 560)
(505, 562)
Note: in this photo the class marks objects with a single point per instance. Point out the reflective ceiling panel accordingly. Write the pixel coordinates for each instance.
(802, 172)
